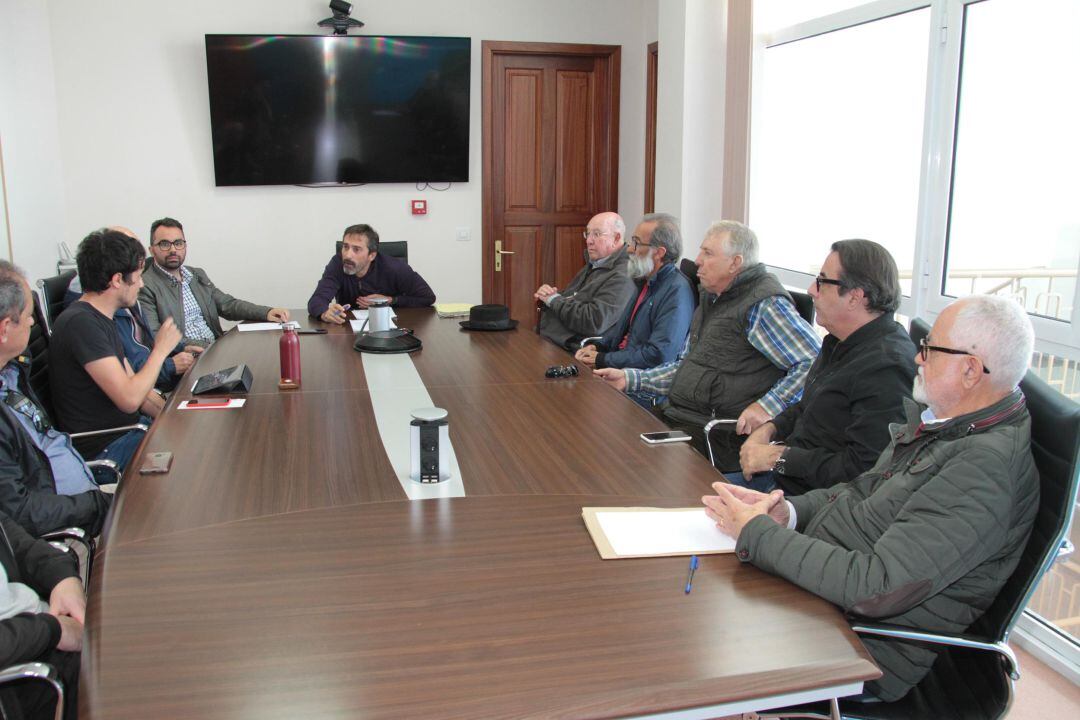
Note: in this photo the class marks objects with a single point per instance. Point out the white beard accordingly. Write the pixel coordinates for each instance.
(638, 267)
(918, 389)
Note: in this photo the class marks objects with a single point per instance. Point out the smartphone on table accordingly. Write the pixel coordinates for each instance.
(669, 436)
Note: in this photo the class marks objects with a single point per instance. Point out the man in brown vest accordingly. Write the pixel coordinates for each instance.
(747, 354)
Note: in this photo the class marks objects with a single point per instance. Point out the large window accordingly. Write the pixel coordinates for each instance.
(947, 131)
(837, 138)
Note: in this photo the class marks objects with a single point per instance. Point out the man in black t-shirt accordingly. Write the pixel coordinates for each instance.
(93, 385)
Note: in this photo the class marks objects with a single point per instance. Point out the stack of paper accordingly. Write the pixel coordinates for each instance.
(649, 532)
(453, 310)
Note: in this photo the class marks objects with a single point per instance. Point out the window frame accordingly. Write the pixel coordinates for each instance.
(943, 86)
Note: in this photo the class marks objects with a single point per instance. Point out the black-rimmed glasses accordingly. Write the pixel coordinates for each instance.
(166, 244)
(820, 280)
(635, 243)
(925, 348)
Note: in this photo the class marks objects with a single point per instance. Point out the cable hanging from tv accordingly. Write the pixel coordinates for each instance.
(341, 22)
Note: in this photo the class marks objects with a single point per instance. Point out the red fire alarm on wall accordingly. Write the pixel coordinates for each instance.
(419, 207)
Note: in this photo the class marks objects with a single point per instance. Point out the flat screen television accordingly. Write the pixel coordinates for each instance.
(315, 109)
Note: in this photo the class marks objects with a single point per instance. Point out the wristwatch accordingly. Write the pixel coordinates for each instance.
(778, 466)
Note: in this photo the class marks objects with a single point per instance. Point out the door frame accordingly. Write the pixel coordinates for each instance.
(652, 64)
(609, 77)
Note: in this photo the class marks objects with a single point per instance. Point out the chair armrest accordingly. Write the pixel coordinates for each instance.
(958, 640)
(586, 341)
(80, 537)
(37, 671)
(109, 465)
(1066, 549)
(111, 431)
(708, 429)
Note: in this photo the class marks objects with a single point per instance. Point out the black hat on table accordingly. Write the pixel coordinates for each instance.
(489, 317)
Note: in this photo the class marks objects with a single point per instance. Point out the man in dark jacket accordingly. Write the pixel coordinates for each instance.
(653, 327)
(928, 536)
(44, 483)
(747, 354)
(855, 388)
(361, 274)
(591, 303)
(33, 630)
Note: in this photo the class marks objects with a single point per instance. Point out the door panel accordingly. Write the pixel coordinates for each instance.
(550, 162)
(522, 139)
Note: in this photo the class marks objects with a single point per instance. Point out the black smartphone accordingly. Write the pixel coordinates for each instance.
(156, 463)
(311, 331)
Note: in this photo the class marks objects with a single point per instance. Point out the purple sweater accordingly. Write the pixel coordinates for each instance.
(386, 276)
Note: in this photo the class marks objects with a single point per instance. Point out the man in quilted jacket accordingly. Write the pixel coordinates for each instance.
(927, 537)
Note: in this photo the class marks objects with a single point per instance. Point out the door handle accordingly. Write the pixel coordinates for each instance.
(499, 252)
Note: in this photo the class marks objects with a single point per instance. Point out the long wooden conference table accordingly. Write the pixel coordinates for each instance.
(284, 567)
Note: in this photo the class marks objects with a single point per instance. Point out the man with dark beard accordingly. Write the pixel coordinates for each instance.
(653, 327)
(360, 274)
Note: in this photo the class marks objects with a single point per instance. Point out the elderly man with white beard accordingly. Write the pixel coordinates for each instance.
(927, 536)
(653, 327)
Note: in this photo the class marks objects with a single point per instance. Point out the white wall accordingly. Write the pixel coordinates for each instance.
(114, 115)
(690, 114)
(28, 132)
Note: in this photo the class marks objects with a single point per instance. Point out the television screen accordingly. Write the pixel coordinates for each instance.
(307, 109)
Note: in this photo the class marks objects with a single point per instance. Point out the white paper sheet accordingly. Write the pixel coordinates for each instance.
(258, 326)
(663, 533)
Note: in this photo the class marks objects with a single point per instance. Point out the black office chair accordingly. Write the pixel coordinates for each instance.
(918, 330)
(973, 676)
(804, 305)
(31, 672)
(398, 249)
(52, 291)
(689, 269)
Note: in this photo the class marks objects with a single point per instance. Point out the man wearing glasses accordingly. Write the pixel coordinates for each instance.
(855, 388)
(44, 483)
(652, 328)
(185, 294)
(928, 536)
(593, 300)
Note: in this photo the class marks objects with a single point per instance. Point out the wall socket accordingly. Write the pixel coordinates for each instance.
(463, 234)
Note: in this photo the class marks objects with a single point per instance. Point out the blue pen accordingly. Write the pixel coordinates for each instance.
(690, 577)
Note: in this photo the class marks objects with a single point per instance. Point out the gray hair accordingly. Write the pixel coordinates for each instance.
(999, 332)
(12, 299)
(741, 240)
(618, 226)
(666, 234)
(866, 265)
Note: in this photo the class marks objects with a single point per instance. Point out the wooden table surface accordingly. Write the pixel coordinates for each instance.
(279, 571)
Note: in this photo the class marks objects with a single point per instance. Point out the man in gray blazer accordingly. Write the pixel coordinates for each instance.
(185, 294)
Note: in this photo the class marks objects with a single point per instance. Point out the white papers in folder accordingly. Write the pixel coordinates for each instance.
(258, 326)
(681, 532)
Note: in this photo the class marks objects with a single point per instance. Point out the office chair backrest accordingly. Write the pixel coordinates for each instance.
(804, 305)
(918, 330)
(398, 249)
(1055, 445)
(689, 269)
(38, 348)
(53, 290)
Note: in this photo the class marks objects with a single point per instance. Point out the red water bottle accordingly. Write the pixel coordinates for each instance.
(289, 347)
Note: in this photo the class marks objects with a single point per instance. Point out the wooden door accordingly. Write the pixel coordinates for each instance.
(551, 145)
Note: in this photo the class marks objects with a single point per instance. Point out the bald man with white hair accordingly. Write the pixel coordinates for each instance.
(928, 536)
(596, 297)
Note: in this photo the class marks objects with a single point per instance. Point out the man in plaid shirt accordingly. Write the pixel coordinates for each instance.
(747, 354)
